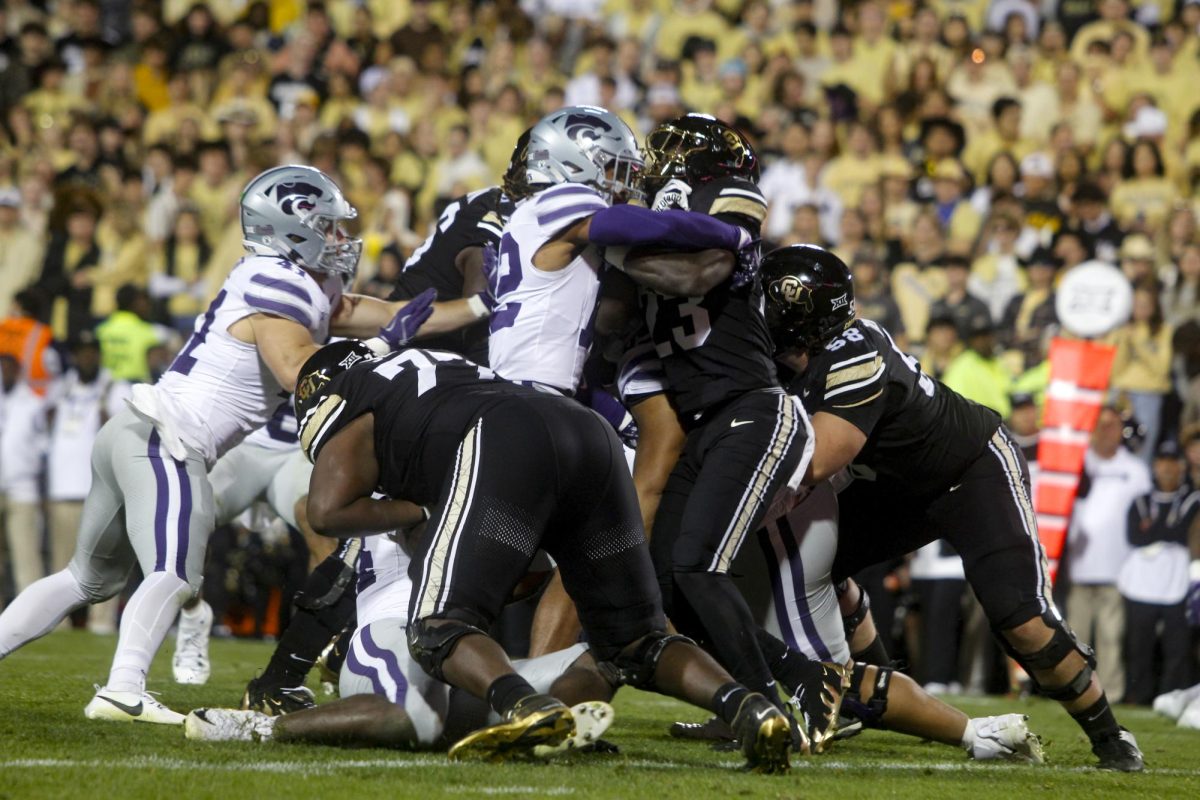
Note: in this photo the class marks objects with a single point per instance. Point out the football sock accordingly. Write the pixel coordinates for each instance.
(731, 630)
(302, 642)
(727, 700)
(506, 691)
(874, 653)
(1097, 720)
(144, 625)
(790, 668)
(38, 610)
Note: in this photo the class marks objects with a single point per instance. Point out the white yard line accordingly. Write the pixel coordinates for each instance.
(335, 766)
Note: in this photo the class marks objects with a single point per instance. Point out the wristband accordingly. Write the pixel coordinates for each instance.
(478, 308)
(1194, 571)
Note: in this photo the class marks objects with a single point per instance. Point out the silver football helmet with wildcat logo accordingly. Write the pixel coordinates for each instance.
(588, 145)
(295, 212)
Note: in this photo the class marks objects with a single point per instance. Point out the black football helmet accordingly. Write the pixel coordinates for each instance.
(810, 296)
(323, 366)
(696, 148)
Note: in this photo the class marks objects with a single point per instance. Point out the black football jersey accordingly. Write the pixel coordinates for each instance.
(716, 347)
(918, 431)
(474, 220)
(424, 402)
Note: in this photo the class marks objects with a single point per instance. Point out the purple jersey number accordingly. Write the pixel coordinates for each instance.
(184, 362)
(509, 279)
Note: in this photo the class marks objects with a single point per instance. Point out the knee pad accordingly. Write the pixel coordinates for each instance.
(636, 664)
(430, 645)
(871, 712)
(1062, 643)
(851, 621)
(329, 581)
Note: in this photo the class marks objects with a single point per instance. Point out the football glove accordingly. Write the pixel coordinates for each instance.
(673, 195)
(408, 320)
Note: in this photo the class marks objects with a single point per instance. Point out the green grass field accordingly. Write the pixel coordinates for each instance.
(48, 749)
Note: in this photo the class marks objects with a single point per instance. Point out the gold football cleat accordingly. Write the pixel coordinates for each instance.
(536, 720)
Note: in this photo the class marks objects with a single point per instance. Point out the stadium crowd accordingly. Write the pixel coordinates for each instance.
(961, 155)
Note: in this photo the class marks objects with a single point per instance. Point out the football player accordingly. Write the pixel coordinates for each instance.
(387, 699)
(504, 470)
(927, 464)
(151, 501)
(745, 438)
(449, 262)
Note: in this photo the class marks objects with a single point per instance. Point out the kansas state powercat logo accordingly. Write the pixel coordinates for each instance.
(789, 290)
(296, 196)
(584, 126)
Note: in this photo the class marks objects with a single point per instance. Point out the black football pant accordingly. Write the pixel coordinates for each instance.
(719, 492)
(541, 472)
(987, 516)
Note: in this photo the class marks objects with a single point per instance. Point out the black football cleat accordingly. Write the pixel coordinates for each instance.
(275, 701)
(766, 735)
(713, 729)
(1119, 753)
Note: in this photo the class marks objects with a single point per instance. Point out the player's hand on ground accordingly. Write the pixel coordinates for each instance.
(408, 320)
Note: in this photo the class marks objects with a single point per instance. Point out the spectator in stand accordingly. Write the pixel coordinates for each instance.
(872, 300)
(958, 303)
(1142, 367)
(72, 259)
(958, 217)
(1137, 258)
(20, 249)
(996, 274)
(1097, 545)
(1030, 314)
(1181, 287)
(1089, 208)
(22, 452)
(127, 336)
(1144, 196)
(942, 346)
(79, 404)
(917, 280)
(1191, 452)
(1154, 579)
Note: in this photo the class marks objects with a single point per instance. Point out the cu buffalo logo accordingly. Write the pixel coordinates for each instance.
(296, 196)
(790, 291)
(310, 383)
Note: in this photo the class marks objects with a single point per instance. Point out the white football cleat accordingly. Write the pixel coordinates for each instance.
(1173, 704)
(592, 719)
(1190, 718)
(1004, 737)
(190, 664)
(130, 707)
(228, 725)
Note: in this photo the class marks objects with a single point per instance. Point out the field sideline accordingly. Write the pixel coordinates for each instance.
(47, 749)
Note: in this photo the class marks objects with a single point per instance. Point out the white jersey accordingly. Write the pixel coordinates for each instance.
(541, 329)
(383, 584)
(79, 408)
(282, 431)
(218, 389)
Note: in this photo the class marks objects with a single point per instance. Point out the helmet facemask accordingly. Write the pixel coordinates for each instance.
(667, 151)
(622, 180)
(341, 251)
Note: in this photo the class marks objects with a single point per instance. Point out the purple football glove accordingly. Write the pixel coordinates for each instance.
(408, 320)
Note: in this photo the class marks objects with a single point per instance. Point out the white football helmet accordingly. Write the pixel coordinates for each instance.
(294, 211)
(589, 145)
